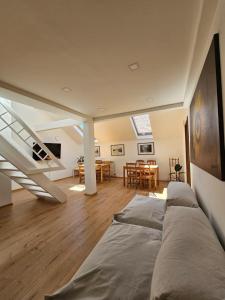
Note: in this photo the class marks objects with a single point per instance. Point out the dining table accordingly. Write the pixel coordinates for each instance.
(154, 168)
(99, 166)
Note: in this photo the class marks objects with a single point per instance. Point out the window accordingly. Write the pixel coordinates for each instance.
(142, 126)
(79, 129)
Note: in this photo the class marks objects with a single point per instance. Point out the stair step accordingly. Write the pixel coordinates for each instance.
(4, 165)
(25, 181)
(34, 188)
(42, 194)
(15, 174)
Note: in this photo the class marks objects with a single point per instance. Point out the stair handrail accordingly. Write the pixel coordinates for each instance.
(36, 139)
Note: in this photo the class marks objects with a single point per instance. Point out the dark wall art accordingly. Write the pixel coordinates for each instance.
(206, 117)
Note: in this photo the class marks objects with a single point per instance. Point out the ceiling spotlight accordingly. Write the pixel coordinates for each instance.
(66, 89)
(134, 66)
(100, 108)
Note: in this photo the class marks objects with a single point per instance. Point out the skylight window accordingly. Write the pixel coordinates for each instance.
(142, 126)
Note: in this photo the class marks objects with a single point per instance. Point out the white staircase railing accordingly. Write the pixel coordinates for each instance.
(17, 163)
(10, 120)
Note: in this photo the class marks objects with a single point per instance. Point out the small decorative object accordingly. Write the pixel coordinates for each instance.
(206, 117)
(80, 159)
(177, 169)
(117, 150)
(146, 148)
(97, 151)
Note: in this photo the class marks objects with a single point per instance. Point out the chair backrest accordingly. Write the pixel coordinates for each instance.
(151, 162)
(81, 168)
(172, 163)
(139, 161)
(98, 161)
(130, 164)
(131, 169)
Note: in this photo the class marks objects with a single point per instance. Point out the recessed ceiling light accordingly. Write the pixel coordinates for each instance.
(100, 108)
(134, 66)
(66, 89)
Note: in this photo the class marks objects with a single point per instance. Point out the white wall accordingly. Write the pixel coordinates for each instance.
(163, 150)
(168, 133)
(210, 190)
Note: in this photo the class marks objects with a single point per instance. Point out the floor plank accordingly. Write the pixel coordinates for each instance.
(43, 244)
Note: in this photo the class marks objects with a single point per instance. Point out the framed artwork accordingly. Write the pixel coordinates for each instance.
(97, 151)
(146, 148)
(117, 150)
(206, 117)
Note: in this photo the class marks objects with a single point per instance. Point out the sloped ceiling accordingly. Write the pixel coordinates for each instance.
(165, 124)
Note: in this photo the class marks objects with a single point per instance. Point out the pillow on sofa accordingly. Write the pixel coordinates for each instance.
(119, 267)
(144, 211)
(180, 194)
(191, 262)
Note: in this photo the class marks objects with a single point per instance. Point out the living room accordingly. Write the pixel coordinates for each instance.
(112, 150)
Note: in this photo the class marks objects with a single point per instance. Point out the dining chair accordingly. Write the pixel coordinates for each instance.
(98, 161)
(173, 174)
(132, 176)
(106, 171)
(146, 177)
(98, 172)
(139, 161)
(151, 161)
(81, 173)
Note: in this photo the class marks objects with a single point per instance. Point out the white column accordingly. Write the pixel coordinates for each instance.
(89, 158)
(5, 190)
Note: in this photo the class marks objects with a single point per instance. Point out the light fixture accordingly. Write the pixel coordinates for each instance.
(100, 108)
(66, 89)
(134, 66)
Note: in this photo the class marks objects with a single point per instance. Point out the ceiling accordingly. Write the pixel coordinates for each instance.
(172, 126)
(87, 45)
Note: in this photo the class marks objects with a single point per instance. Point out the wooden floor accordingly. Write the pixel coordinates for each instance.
(43, 244)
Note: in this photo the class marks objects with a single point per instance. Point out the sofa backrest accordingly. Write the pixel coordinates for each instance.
(191, 261)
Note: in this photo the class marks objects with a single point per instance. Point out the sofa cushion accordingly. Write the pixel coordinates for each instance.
(119, 267)
(191, 262)
(145, 211)
(180, 194)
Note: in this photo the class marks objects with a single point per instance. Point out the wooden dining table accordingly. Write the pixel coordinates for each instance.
(101, 166)
(154, 168)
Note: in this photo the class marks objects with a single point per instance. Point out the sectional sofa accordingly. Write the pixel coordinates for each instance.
(154, 250)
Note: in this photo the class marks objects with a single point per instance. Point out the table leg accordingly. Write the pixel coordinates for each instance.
(124, 176)
(101, 173)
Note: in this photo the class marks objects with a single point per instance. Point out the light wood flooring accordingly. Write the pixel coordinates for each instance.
(43, 244)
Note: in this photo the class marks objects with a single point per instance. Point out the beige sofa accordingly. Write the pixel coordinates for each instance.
(183, 261)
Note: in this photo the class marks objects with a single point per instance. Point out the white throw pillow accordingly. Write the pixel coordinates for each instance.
(191, 262)
(180, 194)
(144, 211)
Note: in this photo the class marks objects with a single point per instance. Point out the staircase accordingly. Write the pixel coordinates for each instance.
(18, 143)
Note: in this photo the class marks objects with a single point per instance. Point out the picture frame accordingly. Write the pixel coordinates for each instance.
(97, 151)
(206, 117)
(117, 150)
(146, 148)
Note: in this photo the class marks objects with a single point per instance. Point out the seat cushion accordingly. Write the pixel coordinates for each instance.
(191, 262)
(180, 194)
(119, 267)
(144, 211)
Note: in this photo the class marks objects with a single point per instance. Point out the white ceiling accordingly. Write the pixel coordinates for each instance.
(87, 45)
